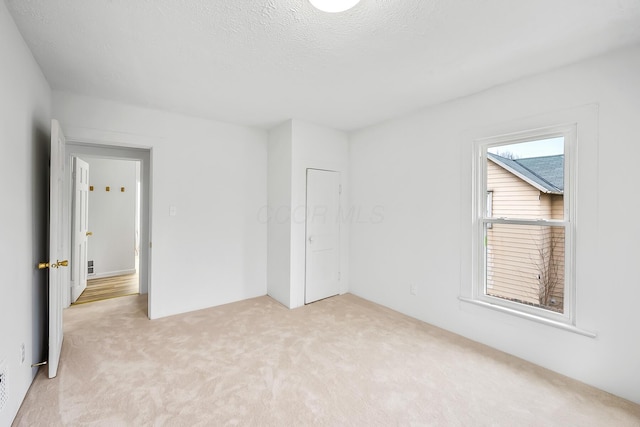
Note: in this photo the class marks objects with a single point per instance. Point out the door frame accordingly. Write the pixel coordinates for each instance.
(79, 146)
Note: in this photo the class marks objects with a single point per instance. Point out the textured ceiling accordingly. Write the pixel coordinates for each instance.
(259, 62)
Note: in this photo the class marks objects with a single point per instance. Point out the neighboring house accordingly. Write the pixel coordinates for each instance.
(530, 267)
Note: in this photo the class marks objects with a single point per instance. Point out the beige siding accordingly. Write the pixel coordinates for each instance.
(520, 259)
(545, 206)
(512, 262)
(512, 197)
(558, 263)
(557, 206)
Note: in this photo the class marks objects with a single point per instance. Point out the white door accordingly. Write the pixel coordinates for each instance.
(322, 274)
(58, 280)
(80, 227)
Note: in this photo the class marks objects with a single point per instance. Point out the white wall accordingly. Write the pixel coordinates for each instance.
(278, 213)
(25, 128)
(315, 147)
(213, 251)
(416, 169)
(112, 216)
(294, 147)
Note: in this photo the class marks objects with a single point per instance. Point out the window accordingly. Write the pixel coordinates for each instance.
(524, 222)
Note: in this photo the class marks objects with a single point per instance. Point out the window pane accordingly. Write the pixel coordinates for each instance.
(525, 263)
(527, 179)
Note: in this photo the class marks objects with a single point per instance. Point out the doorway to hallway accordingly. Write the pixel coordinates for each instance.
(114, 223)
(123, 271)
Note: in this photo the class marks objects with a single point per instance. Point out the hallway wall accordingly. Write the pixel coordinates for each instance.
(112, 216)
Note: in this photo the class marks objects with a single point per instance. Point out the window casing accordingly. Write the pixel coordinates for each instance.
(548, 237)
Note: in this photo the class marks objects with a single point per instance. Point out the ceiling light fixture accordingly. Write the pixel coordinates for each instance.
(334, 6)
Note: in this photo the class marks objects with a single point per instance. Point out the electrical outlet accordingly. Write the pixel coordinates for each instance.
(23, 353)
(413, 290)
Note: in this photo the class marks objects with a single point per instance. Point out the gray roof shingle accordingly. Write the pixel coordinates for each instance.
(546, 173)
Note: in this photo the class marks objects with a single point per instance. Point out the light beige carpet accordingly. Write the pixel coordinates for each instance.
(341, 361)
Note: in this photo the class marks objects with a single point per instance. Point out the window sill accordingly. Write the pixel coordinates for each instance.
(555, 324)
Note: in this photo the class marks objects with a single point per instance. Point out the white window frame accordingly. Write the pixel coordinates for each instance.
(480, 218)
(489, 205)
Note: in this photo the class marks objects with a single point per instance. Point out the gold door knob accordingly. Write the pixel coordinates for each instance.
(89, 233)
(43, 265)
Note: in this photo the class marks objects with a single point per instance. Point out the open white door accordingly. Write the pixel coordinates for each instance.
(322, 275)
(80, 227)
(58, 281)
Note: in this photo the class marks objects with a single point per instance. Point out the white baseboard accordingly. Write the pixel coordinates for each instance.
(112, 274)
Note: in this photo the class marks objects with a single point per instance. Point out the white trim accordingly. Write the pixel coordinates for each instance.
(540, 222)
(519, 313)
(113, 273)
(479, 207)
(105, 144)
(586, 212)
